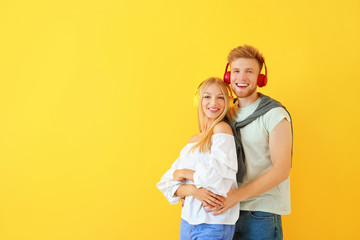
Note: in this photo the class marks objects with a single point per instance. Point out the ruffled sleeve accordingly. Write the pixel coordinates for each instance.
(219, 173)
(168, 186)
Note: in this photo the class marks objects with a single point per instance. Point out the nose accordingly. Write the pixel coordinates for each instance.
(213, 100)
(242, 75)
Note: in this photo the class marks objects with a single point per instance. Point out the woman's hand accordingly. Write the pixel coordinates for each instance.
(229, 202)
(208, 198)
(182, 201)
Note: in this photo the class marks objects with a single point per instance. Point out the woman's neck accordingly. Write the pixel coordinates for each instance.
(208, 122)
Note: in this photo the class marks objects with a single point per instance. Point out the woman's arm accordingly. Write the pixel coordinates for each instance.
(168, 186)
(174, 189)
(181, 174)
(208, 198)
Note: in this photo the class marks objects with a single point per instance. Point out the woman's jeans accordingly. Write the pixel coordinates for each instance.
(255, 225)
(206, 231)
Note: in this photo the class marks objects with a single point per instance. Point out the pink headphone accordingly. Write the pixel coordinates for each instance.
(262, 79)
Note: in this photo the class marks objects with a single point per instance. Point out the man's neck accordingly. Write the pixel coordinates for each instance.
(247, 101)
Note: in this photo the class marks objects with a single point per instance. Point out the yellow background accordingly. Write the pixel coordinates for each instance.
(97, 100)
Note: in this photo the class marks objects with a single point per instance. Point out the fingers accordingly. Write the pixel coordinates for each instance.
(212, 209)
(205, 204)
(215, 202)
(222, 210)
(182, 201)
(217, 197)
(212, 199)
(221, 198)
(209, 199)
(210, 203)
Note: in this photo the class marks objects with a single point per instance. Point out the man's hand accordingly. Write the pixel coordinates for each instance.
(229, 202)
(208, 198)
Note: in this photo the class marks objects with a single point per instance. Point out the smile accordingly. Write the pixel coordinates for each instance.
(242, 85)
(213, 110)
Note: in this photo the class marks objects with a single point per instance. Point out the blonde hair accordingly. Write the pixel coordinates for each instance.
(246, 51)
(204, 142)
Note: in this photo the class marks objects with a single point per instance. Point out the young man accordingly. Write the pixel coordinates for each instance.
(263, 133)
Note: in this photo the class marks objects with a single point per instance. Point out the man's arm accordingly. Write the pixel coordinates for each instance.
(280, 144)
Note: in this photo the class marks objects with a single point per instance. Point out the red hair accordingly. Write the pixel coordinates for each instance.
(246, 51)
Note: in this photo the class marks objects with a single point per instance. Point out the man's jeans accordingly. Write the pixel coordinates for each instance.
(255, 225)
(206, 231)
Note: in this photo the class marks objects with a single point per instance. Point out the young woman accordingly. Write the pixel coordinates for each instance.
(206, 169)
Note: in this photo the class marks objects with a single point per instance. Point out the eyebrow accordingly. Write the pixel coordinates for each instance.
(211, 94)
(245, 68)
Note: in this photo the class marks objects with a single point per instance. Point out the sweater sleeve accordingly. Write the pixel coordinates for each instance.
(168, 186)
(219, 173)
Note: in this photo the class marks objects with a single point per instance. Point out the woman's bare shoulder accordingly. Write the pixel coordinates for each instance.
(223, 127)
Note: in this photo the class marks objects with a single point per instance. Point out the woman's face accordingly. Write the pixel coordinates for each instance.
(213, 102)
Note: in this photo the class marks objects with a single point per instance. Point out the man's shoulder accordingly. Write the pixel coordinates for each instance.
(276, 112)
(273, 117)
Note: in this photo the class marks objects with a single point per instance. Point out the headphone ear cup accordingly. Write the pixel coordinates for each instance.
(227, 76)
(262, 80)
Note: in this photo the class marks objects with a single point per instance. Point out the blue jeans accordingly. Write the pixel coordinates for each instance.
(206, 231)
(255, 225)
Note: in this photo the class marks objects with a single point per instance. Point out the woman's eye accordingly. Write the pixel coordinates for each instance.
(206, 96)
(221, 97)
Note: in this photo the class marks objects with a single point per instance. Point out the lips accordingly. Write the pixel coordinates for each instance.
(213, 110)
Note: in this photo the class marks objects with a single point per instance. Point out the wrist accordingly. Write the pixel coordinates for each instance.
(241, 194)
(188, 174)
(192, 190)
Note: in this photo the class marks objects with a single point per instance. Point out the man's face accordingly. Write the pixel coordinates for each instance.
(244, 75)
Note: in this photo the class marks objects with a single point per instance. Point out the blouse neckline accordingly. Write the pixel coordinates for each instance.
(213, 136)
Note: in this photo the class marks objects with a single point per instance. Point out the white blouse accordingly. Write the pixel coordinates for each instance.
(215, 170)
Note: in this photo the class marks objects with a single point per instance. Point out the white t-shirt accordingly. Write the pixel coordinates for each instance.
(215, 170)
(255, 140)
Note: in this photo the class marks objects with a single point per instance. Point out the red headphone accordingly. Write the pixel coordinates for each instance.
(262, 79)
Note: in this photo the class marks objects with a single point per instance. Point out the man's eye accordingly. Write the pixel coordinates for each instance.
(206, 96)
(221, 97)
